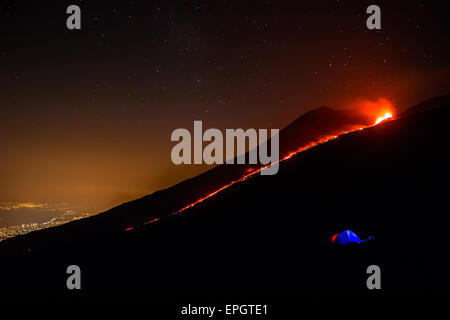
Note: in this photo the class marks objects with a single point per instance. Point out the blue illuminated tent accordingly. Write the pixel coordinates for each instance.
(345, 237)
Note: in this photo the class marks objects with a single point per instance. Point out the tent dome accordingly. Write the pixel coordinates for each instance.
(345, 237)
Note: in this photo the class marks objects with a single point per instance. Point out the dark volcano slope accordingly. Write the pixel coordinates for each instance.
(95, 230)
(270, 234)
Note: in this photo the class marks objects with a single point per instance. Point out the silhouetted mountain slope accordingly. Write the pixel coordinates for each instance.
(427, 105)
(323, 121)
(269, 235)
(309, 127)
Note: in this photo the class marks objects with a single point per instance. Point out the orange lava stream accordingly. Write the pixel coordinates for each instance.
(151, 221)
(245, 177)
(323, 140)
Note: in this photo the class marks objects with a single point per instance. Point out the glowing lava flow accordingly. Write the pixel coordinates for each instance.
(245, 177)
(387, 115)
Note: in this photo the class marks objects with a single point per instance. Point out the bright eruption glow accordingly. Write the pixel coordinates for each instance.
(375, 111)
(381, 110)
(387, 115)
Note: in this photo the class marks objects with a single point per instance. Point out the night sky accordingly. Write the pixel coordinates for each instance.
(86, 115)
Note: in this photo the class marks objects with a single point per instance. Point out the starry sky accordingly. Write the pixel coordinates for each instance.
(86, 115)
